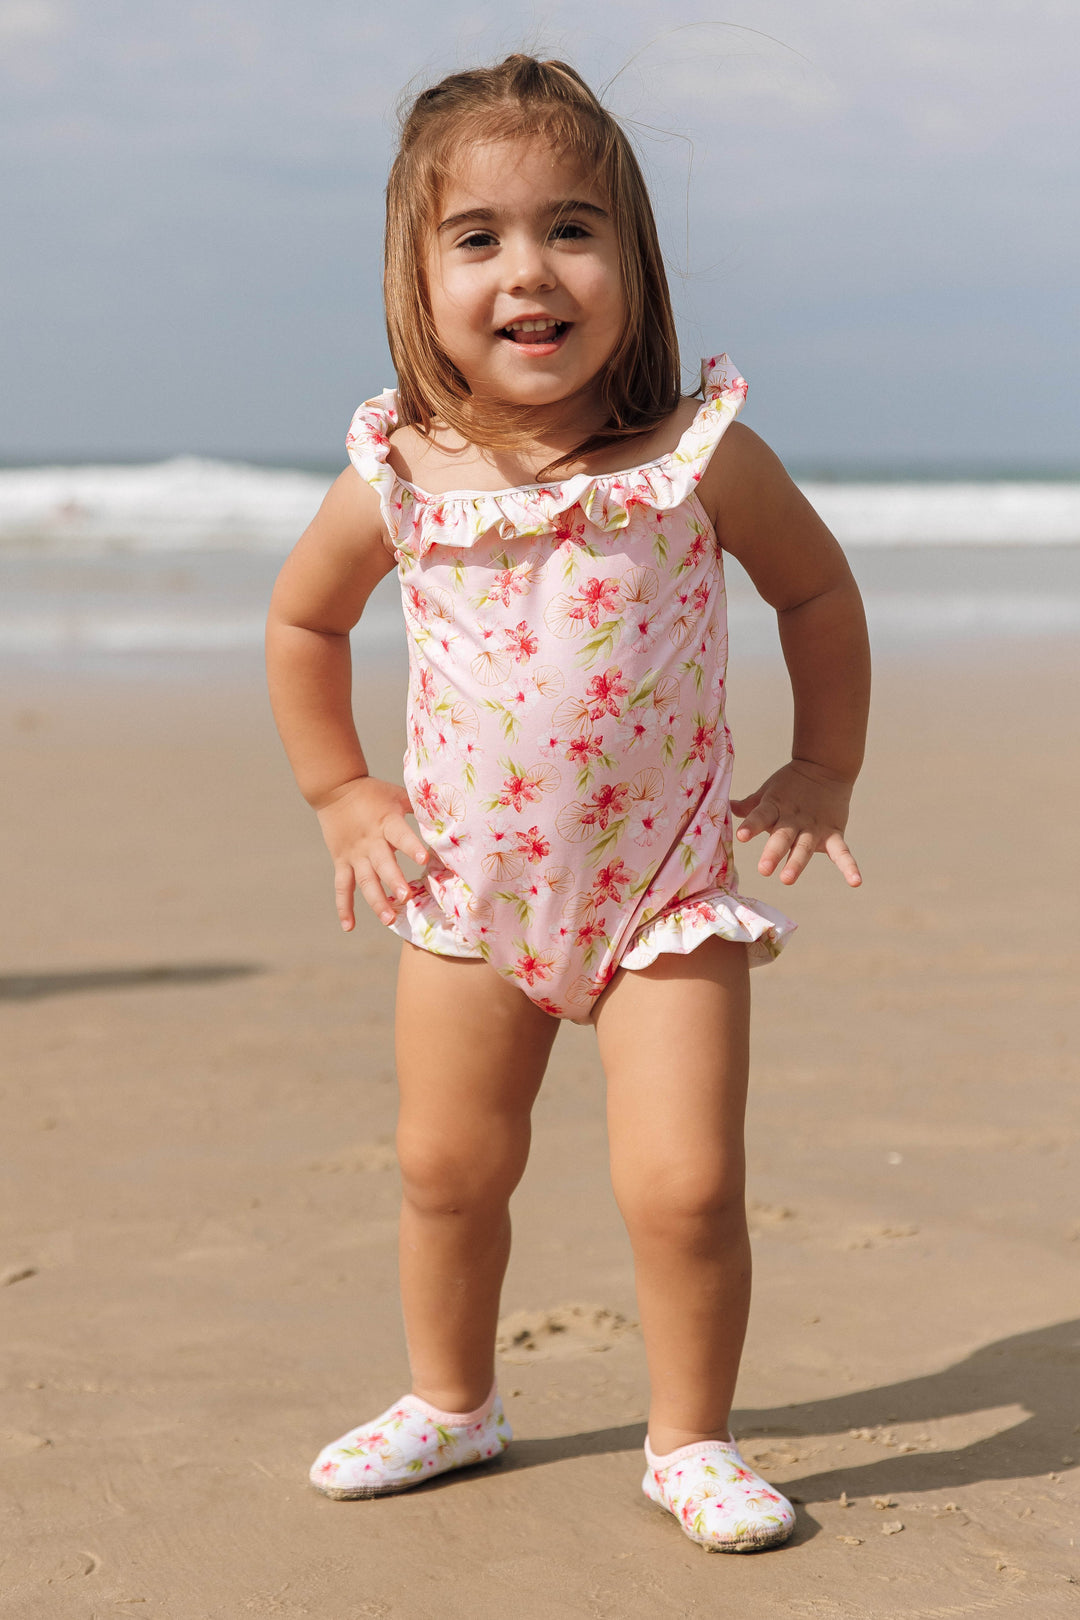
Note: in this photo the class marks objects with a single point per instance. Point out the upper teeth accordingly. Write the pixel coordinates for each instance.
(530, 326)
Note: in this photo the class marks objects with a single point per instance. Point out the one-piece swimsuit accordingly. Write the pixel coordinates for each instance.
(568, 760)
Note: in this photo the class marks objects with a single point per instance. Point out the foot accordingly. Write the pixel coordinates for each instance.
(408, 1443)
(720, 1502)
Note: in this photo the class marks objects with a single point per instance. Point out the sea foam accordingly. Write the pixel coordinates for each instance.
(193, 504)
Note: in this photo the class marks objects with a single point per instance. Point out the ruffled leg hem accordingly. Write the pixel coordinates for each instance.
(719, 915)
(422, 921)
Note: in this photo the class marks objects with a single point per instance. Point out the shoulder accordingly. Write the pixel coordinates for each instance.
(743, 477)
(349, 523)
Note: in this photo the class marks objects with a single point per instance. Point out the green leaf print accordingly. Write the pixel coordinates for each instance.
(643, 691)
(511, 723)
(601, 644)
(688, 857)
(644, 880)
(694, 667)
(468, 774)
(522, 907)
(667, 749)
(660, 549)
(607, 840)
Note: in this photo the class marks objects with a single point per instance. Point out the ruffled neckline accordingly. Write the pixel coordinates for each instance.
(417, 519)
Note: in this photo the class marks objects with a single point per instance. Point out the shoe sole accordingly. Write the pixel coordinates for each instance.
(361, 1493)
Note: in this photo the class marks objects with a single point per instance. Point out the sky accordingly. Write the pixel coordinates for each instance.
(872, 205)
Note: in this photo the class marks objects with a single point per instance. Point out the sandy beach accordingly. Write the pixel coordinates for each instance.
(199, 1196)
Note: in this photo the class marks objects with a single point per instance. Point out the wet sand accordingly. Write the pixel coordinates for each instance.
(199, 1196)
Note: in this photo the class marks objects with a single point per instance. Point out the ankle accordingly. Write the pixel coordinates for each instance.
(663, 1439)
(455, 1404)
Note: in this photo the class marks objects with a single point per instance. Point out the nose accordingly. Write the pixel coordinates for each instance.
(528, 267)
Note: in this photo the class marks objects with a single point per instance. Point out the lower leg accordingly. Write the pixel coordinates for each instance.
(452, 1267)
(675, 1044)
(471, 1053)
(693, 1300)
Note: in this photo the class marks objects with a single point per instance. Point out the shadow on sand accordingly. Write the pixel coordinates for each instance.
(1039, 1371)
(33, 986)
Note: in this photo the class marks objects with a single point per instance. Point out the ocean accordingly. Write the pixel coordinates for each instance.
(165, 564)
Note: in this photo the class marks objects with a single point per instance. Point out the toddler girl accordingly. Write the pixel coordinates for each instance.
(557, 513)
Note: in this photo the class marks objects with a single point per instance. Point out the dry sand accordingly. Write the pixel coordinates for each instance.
(199, 1198)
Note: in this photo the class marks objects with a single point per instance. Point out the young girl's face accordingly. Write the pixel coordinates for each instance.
(522, 235)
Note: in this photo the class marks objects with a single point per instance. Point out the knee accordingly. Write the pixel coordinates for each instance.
(686, 1205)
(471, 1175)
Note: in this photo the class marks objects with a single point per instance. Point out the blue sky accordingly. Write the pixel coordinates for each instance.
(879, 222)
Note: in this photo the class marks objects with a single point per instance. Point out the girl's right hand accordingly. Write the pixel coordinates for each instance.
(363, 823)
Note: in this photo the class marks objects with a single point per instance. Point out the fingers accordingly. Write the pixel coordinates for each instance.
(791, 849)
(382, 883)
(799, 854)
(843, 859)
(398, 833)
(779, 844)
(760, 811)
(743, 807)
(344, 888)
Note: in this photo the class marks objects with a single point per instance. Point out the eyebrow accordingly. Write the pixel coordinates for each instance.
(545, 211)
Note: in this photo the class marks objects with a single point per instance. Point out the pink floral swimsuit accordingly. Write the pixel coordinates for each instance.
(568, 760)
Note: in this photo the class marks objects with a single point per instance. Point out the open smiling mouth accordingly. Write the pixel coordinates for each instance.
(534, 332)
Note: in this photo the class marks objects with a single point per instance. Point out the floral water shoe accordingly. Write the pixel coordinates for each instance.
(408, 1443)
(718, 1500)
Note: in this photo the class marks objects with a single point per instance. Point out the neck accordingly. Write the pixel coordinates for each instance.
(551, 430)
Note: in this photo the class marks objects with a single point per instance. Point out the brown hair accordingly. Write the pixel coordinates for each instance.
(522, 98)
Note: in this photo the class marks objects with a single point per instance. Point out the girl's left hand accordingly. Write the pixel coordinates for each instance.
(804, 809)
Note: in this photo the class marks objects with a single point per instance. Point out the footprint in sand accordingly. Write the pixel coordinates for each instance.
(567, 1330)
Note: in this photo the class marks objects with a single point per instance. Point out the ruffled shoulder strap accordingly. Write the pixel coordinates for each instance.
(668, 482)
(368, 444)
(416, 521)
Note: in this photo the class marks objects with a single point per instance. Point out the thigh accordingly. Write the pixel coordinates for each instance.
(471, 1048)
(674, 1040)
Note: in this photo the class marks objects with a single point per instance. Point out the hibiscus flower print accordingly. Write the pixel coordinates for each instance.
(583, 750)
(568, 613)
(639, 727)
(533, 966)
(648, 823)
(701, 742)
(640, 630)
(533, 846)
(426, 694)
(508, 583)
(610, 881)
(521, 787)
(521, 644)
(604, 692)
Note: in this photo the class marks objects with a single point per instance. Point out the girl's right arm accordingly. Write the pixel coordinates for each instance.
(319, 597)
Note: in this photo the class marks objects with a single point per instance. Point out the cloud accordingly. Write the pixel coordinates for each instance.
(28, 21)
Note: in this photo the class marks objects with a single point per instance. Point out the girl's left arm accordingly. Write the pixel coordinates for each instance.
(763, 519)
